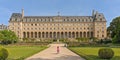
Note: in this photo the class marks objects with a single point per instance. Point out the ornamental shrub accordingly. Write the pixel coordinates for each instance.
(3, 54)
(106, 53)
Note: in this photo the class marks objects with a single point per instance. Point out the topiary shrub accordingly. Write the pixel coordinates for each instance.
(3, 53)
(106, 53)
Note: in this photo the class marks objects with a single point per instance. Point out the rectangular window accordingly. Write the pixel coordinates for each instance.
(31, 24)
(35, 24)
(102, 35)
(102, 31)
(18, 28)
(97, 35)
(97, 31)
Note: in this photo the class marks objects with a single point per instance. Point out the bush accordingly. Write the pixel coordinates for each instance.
(3, 53)
(6, 42)
(104, 41)
(106, 53)
(78, 44)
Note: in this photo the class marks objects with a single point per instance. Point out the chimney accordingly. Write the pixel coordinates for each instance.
(96, 12)
(93, 13)
(58, 13)
(22, 13)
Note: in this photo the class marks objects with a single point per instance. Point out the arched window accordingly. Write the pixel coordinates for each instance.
(24, 34)
(27, 34)
(35, 34)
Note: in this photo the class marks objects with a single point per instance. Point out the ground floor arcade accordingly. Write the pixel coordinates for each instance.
(54, 35)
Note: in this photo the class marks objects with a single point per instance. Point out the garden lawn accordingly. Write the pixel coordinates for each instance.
(91, 53)
(22, 52)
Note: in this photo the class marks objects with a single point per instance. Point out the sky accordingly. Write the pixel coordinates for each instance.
(110, 8)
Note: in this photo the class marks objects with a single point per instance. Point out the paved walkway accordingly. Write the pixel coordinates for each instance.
(50, 54)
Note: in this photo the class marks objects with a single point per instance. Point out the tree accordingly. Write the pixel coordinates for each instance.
(9, 37)
(116, 38)
(115, 29)
(1, 37)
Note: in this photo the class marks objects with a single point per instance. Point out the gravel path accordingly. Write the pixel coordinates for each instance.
(51, 54)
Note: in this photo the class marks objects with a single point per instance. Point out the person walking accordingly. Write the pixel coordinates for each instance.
(58, 49)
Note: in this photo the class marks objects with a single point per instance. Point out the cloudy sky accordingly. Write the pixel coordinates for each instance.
(110, 8)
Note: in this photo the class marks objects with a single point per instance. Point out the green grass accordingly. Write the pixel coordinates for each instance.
(91, 53)
(21, 52)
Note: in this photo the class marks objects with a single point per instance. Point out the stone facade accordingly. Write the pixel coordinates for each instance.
(3, 27)
(57, 27)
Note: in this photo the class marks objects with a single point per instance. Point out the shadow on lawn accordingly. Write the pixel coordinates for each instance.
(116, 58)
(94, 57)
(21, 58)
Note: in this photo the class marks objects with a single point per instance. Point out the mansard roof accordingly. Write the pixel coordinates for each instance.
(20, 15)
(16, 15)
(57, 16)
(63, 17)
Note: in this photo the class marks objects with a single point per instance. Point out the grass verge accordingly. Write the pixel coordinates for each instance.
(22, 52)
(91, 53)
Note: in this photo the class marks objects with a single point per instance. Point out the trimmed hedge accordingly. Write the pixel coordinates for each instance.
(106, 53)
(78, 44)
(33, 43)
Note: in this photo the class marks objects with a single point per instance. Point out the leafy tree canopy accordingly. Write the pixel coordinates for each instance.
(1, 36)
(114, 28)
(8, 36)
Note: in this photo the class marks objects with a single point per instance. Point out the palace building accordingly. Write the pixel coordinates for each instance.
(58, 27)
(3, 27)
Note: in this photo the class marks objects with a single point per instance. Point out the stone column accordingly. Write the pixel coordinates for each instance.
(60, 35)
(70, 35)
(44, 34)
(89, 34)
(75, 35)
(48, 35)
(29, 34)
(56, 35)
(66, 34)
(41, 35)
(33, 34)
(37, 35)
(63, 34)
(81, 34)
